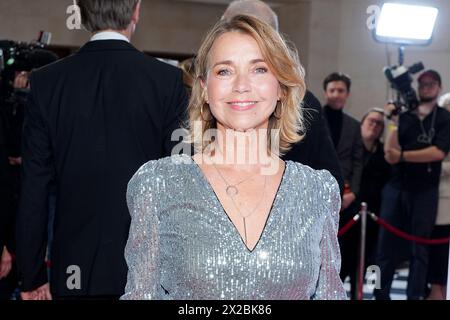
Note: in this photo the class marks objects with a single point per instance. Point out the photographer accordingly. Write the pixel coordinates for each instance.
(6, 216)
(10, 137)
(14, 111)
(14, 91)
(4, 186)
(21, 87)
(416, 149)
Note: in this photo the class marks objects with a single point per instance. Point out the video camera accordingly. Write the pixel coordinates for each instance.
(21, 56)
(400, 78)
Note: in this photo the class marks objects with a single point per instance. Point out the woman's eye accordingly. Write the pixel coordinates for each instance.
(261, 70)
(223, 72)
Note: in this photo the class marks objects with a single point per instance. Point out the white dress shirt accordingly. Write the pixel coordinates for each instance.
(109, 35)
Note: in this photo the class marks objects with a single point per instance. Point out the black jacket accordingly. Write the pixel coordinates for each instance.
(350, 152)
(91, 121)
(316, 149)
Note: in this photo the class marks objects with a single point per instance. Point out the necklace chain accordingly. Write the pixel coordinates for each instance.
(232, 191)
(427, 137)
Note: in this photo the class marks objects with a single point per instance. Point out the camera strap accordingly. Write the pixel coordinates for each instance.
(424, 137)
(428, 138)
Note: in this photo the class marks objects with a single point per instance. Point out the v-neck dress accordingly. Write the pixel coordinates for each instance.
(182, 244)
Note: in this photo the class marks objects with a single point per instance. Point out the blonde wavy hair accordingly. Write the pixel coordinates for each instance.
(281, 58)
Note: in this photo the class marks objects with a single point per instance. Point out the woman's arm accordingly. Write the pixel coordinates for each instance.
(329, 285)
(142, 249)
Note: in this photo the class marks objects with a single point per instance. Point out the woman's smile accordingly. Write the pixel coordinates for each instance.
(242, 105)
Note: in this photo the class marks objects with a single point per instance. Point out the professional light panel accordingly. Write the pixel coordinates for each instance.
(406, 24)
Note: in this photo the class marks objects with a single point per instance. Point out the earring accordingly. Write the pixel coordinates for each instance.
(278, 113)
(201, 114)
(204, 97)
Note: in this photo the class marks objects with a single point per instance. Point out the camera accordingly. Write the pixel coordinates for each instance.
(22, 56)
(400, 78)
(16, 57)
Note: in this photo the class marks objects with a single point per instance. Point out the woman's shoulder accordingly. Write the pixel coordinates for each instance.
(161, 170)
(312, 177)
(320, 190)
(318, 186)
(168, 163)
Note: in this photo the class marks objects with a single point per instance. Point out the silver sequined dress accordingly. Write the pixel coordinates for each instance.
(182, 245)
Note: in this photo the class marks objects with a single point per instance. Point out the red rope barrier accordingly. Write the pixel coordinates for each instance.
(405, 235)
(348, 225)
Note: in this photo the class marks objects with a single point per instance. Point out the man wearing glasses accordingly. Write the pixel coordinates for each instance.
(416, 150)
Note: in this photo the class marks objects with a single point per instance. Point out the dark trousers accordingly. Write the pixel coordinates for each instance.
(413, 212)
(349, 246)
(438, 264)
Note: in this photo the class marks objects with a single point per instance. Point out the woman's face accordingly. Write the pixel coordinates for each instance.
(241, 90)
(373, 126)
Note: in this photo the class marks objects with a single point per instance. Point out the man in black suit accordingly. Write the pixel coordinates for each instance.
(316, 149)
(91, 121)
(346, 135)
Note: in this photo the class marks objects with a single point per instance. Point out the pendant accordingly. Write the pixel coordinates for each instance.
(232, 191)
(423, 138)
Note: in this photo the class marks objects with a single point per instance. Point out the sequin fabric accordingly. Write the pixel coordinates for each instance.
(182, 245)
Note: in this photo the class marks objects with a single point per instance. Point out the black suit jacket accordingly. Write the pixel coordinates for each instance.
(316, 149)
(350, 152)
(92, 120)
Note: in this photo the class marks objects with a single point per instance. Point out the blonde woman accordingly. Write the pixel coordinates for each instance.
(234, 221)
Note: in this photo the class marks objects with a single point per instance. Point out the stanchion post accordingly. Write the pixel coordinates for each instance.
(362, 250)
